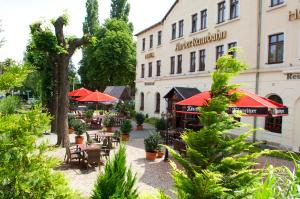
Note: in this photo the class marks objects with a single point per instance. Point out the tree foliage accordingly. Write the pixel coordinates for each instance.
(120, 10)
(218, 165)
(117, 182)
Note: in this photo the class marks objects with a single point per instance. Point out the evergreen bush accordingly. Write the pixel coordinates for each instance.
(79, 127)
(151, 142)
(117, 182)
(126, 127)
(9, 105)
(139, 118)
(89, 114)
(161, 124)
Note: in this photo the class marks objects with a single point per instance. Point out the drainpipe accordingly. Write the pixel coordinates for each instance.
(259, 27)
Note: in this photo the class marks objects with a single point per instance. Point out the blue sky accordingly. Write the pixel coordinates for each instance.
(17, 15)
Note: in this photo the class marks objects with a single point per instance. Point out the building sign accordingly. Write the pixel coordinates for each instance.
(294, 15)
(291, 76)
(149, 83)
(219, 35)
(149, 56)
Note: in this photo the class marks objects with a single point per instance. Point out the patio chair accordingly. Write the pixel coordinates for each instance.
(92, 157)
(107, 143)
(96, 124)
(116, 140)
(72, 153)
(90, 139)
(105, 152)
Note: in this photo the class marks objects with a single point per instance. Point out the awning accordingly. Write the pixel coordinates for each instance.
(249, 104)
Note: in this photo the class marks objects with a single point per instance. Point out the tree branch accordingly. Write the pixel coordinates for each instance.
(59, 25)
(76, 43)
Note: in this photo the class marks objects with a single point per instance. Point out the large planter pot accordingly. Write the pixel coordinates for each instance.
(151, 156)
(109, 129)
(160, 154)
(125, 137)
(139, 127)
(79, 139)
(71, 130)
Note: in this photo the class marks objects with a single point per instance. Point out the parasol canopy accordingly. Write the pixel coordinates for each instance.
(97, 97)
(79, 92)
(249, 104)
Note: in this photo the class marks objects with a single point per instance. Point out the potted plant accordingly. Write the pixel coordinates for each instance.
(160, 153)
(79, 128)
(151, 144)
(108, 123)
(89, 115)
(126, 128)
(71, 119)
(161, 125)
(139, 118)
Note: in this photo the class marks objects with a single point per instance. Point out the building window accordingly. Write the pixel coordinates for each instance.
(142, 102)
(234, 6)
(221, 12)
(203, 19)
(276, 2)
(144, 44)
(202, 60)
(172, 65)
(157, 106)
(159, 38)
(276, 43)
(193, 62)
(173, 31)
(180, 28)
(158, 66)
(151, 41)
(179, 64)
(274, 124)
(143, 71)
(194, 22)
(232, 51)
(150, 70)
(219, 51)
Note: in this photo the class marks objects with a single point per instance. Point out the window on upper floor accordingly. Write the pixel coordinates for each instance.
(202, 60)
(231, 50)
(172, 65)
(203, 15)
(276, 48)
(173, 31)
(221, 12)
(151, 41)
(219, 51)
(234, 9)
(180, 28)
(276, 2)
(158, 67)
(159, 34)
(179, 64)
(193, 62)
(194, 22)
(143, 71)
(150, 69)
(144, 44)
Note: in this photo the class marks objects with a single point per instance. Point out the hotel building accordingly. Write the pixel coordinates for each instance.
(176, 56)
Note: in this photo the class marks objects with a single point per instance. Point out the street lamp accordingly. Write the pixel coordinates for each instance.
(167, 115)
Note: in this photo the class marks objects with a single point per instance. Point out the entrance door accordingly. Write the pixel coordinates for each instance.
(297, 126)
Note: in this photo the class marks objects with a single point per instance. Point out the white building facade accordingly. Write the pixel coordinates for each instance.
(181, 50)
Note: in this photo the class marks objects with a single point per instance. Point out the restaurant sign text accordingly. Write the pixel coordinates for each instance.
(292, 76)
(211, 37)
(149, 56)
(294, 15)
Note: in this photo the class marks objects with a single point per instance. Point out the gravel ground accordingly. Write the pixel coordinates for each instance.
(151, 176)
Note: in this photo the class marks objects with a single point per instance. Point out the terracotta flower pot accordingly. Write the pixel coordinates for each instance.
(109, 129)
(160, 154)
(125, 137)
(151, 156)
(79, 139)
(71, 130)
(139, 127)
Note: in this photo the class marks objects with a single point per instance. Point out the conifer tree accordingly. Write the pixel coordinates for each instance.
(117, 181)
(120, 9)
(217, 165)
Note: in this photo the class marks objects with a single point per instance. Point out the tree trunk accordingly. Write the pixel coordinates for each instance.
(55, 105)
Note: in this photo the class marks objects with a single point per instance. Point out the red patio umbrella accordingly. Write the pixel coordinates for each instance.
(97, 97)
(79, 92)
(249, 103)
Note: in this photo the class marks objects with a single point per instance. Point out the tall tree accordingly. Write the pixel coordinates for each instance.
(62, 49)
(120, 9)
(90, 26)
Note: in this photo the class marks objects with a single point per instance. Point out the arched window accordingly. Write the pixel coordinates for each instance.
(157, 106)
(274, 124)
(142, 102)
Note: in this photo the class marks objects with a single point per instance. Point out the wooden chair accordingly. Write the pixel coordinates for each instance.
(72, 153)
(92, 157)
(105, 152)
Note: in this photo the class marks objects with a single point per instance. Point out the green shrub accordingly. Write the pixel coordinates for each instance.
(79, 127)
(117, 182)
(139, 118)
(126, 127)
(9, 105)
(89, 114)
(151, 142)
(161, 124)
(151, 120)
(108, 121)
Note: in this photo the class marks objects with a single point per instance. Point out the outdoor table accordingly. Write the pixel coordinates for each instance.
(84, 147)
(101, 135)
